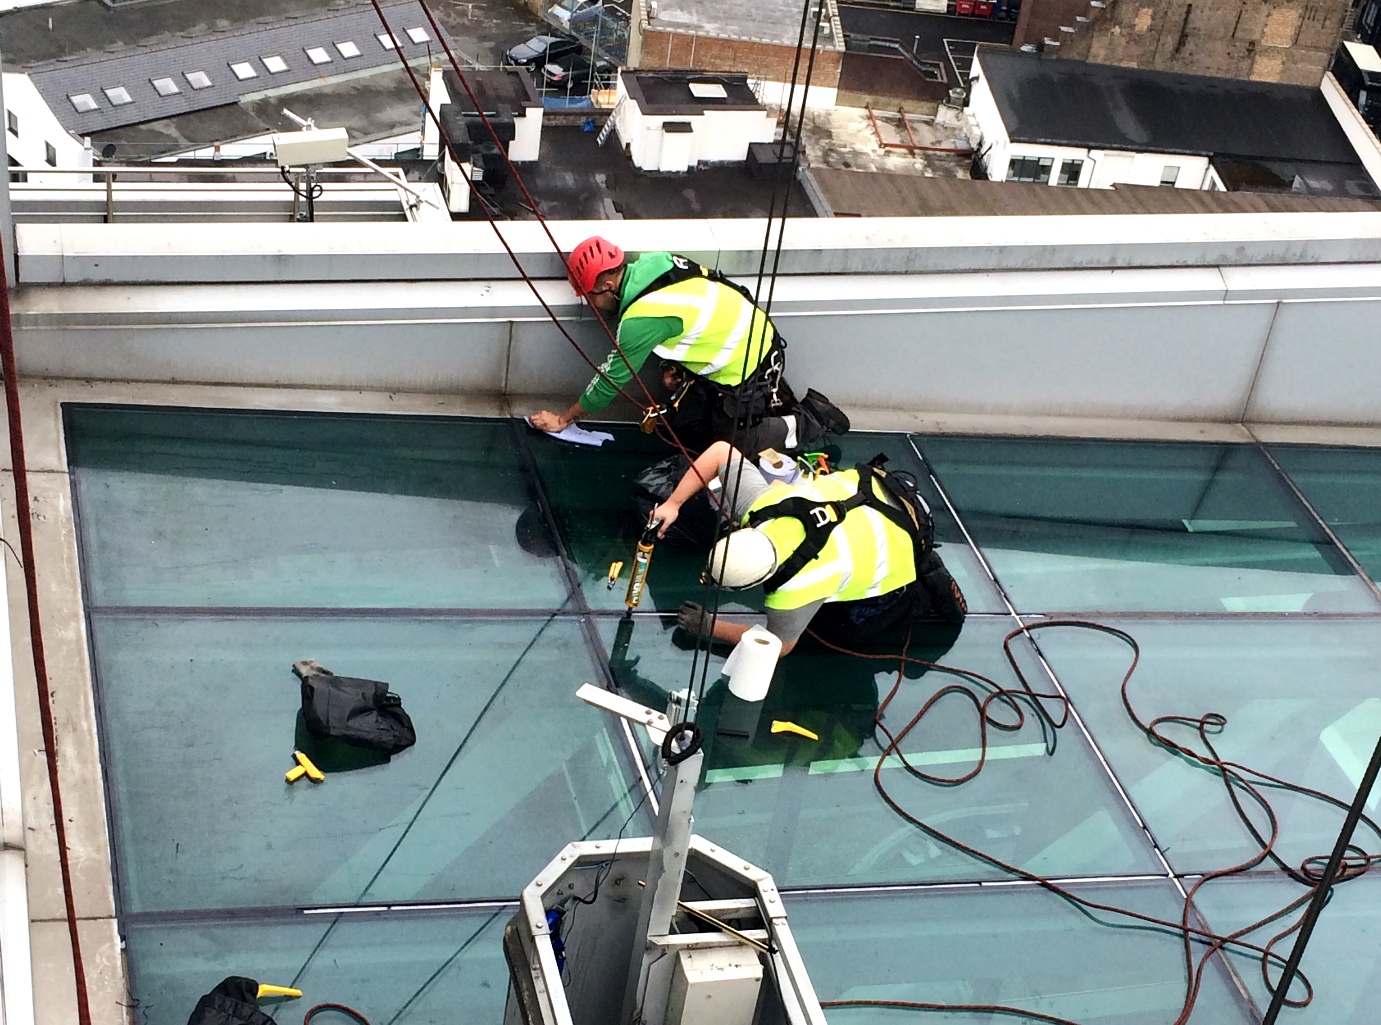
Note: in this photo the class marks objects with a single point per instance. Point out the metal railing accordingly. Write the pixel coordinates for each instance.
(264, 184)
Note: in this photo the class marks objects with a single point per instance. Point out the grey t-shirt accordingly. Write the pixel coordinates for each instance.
(742, 484)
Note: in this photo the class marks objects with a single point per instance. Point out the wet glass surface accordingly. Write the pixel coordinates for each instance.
(408, 968)
(1301, 704)
(1122, 526)
(1016, 946)
(202, 718)
(1344, 487)
(197, 508)
(807, 810)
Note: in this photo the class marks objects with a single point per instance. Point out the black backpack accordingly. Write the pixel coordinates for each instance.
(360, 712)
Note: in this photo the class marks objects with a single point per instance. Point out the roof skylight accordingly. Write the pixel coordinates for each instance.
(165, 86)
(244, 70)
(276, 64)
(317, 54)
(83, 102)
(418, 35)
(199, 79)
(385, 40)
(348, 49)
(118, 96)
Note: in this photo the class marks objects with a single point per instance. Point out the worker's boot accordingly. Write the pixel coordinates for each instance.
(819, 416)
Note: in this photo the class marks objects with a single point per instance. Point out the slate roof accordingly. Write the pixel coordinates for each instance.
(842, 193)
(213, 56)
(1100, 106)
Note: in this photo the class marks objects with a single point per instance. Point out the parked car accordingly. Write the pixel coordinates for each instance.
(572, 75)
(541, 50)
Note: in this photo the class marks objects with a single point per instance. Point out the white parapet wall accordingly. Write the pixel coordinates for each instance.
(1221, 318)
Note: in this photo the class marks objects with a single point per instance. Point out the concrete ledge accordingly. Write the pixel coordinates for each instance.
(158, 253)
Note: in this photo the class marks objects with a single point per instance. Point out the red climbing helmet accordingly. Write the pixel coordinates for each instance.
(589, 260)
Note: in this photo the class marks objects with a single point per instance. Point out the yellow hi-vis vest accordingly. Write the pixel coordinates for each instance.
(865, 556)
(718, 327)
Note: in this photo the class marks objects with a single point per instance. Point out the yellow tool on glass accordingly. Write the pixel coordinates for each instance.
(313, 773)
(781, 726)
(269, 990)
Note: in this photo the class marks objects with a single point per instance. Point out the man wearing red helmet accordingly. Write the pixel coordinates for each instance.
(723, 360)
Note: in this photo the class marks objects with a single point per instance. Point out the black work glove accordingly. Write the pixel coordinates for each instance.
(694, 619)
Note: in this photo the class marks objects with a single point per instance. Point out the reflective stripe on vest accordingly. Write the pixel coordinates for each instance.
(866, 556)
(718, 325)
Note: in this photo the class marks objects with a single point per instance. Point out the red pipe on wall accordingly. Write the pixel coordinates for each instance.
(45, 704)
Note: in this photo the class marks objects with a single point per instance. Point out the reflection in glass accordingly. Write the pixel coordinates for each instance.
(1130, 526)
(201, 718)
(269, 509)
(410, 968)
(1344, 487)
(1301, 703)
(1341, 957)
(807, 811)
(1017, 946)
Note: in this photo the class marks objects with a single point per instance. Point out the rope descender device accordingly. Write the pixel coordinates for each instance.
(642, 557)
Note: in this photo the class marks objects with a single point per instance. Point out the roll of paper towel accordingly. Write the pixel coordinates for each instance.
(751, 664)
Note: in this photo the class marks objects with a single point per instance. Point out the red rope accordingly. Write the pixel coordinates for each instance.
(23, 514)
(1236, 778)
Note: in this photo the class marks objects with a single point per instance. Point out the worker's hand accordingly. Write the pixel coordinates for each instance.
(667, 513)
(693, 619)
(546, 420)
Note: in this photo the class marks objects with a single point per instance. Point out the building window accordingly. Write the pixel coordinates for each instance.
(17, 176)
(165, 86)
(1170, 175)
(317, 54)
(12, 122)
(418, 35)
(1030, 169)
(199, 79)
(1070, 171)
(385, 40)
(118, 96)
(276, 64)
(50, 154)
(244, 70)
(348, 49)
(83, 102)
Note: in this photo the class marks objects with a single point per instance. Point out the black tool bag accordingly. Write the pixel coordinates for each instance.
(230, 1003)
(359, 712)
(695, 526)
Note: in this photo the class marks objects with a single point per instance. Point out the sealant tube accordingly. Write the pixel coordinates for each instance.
(642, 558)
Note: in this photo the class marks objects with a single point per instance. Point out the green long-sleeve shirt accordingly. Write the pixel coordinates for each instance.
(637, 336)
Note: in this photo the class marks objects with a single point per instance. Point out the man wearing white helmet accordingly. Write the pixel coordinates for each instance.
(849, 554)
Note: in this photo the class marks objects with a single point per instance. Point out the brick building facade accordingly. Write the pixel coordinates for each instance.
(761, 59)
(1290, 41)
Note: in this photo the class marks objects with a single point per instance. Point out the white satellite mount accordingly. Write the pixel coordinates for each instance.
(304, 152)
(641, 952)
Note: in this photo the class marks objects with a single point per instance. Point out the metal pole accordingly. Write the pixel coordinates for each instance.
(1330, 875)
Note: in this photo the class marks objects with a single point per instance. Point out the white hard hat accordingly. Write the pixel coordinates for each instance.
(742, 559)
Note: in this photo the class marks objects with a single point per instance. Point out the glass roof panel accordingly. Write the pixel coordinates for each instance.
(201, 716)
(1014, 946)
(1340, 960)
(1088, 526)
(297, 510)
(1344, 487)
(403, 967)
(807, 810)
(1301, 703)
